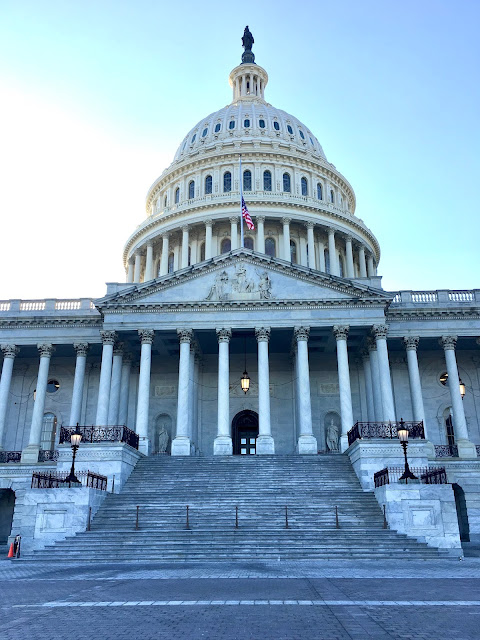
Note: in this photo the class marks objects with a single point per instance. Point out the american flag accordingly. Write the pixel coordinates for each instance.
(246, 216)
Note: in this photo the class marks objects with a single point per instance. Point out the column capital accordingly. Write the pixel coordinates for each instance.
(380, 330)
(262, 334)
(286, 220)
(149, 244)
(260, 219)
(208, 223)
(310, 225)
(127, 360)
(340, 331)
(45, 350)
(224, 335)
(448, 342)
(233, 219)
(330, 231)
(118, 348)
(9, 350)
(185, 335)
(108, 337)
(146, 336)
(411, 342)
(371, 344)
(301, 333)
(131, 259)
(185, 228)
(81, 348)
(348, 238)
(165, 236)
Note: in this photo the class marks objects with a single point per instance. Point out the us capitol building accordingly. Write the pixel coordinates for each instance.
(297, 314)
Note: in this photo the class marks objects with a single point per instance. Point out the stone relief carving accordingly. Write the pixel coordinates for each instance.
(240, 286)
(166, 391)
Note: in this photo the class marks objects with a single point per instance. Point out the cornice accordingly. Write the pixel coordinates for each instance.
(432, 314)
(49, 323)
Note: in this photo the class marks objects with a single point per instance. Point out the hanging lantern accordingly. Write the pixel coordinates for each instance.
(462, 389)
(245, 382)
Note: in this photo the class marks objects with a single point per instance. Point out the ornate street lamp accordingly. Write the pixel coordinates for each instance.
(75, 439)
(402, 432)
(462, 389)
(245, 379)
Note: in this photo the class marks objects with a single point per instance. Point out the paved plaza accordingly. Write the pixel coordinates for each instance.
(421, 600)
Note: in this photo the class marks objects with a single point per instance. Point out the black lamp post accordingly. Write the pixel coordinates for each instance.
(75, 443)
(402, 432)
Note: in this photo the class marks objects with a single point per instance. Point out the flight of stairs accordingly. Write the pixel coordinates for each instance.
(261, 487)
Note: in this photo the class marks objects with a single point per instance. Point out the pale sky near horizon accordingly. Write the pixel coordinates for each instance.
(95, 97)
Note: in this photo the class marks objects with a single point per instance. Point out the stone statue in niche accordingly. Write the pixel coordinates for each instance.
(163, 439)
(240, 287)
(332, 436)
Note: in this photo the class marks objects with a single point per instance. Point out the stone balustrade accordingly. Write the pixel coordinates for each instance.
(51, 305)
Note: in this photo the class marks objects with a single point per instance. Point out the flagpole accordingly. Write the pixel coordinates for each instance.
(241, 200)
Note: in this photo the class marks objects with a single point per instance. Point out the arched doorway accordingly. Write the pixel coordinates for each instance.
(462, 516)
(7, 505)
(244, 433)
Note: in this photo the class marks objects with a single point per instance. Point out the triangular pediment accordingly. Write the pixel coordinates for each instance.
(243, 276)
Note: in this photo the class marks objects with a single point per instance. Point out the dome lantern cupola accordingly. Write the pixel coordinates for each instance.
(248, 80)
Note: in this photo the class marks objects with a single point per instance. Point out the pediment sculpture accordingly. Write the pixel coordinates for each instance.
(240, 286)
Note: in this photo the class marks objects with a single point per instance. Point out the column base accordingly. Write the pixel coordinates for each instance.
(30, 454)
(144, 445)
(343, 443)
(466, 449)
(307, 444)
(222, 446)
(181, 446)
(265, 446)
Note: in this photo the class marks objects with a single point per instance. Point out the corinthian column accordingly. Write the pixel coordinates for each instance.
(349, 254)
(307, 443)
(77, 395)
(234, 232)
(223, 442)
(184, 246)
(143, 403)
(332, 253)
(9, 353)
(108, 340)
(181, 443)
(465, 448)
(376, 388)
(367, 374)
(260, 220)
(114, 400)
(346, 413)
(164, 258)
(380, 332)
(149, 263)
(265, 443)
(286, 239)
(311, 246)
(30, 454)
(208, 239)
(411, 344)
(124, 389)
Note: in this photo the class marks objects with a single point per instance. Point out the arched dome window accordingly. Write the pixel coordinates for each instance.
(171, 262)
(177, 195)
(231, 124)
(332, 196)
(304, 185)
(276, 125)
(247, 180)
(208, 185)
(327, 260)
(248, 243)
(204, 132)
(289, 129)
(293, 251)
(218, 126)
(193, 138)
(261, 123)
(227, 182)
(202, 252)
(246, 123)
(287, 185)
(226, 245)
(270, 247)
(267, 180)
(191, 189)
(319, 191)
(301, 134)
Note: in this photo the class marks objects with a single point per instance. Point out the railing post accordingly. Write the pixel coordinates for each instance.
(89, 521)
(286, 517)
(113, 483)
(337, 524)
(136, 521)
(236, 517)
(187, 525)
(385, 526)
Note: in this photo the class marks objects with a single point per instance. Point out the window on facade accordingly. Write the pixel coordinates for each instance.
(270, 247)
(267, 180)
(449, 430)
(191, 189)
(246, 123)
(312, 142)
(247, 180)
(332, 196)
(193, 138)
(218, 126)
(225, 245)
(231, 124)
(204, 132)
(208, 185)
(289, 129)
(301, 134)
(304, 185)
(327, 260)
(227, 182)
(340, 266)
(261, 124)
(293, 252)
(171, 262)
(177, 195)
(319, 191)
(287, 183)
(53, 386)
(202, 252)
(165, 202)
(49, 431)
(276, 125)
(248, 243)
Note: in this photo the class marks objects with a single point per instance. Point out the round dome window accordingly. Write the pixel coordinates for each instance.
(53, 386)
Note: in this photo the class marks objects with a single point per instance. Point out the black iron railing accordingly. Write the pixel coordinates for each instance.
(10, 456)
(56, 480)
(386, 430)
(446, 451)
(47, 455)
(426, 475)
(101, 434)
(477, 447)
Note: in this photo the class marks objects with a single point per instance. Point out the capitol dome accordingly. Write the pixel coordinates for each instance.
(302, 207)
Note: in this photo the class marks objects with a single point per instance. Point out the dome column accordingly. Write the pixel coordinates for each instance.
(164, 258)
(370, 266)
(311, 246)
(149, 262)
(332, 252)
(260, 220)
(265, 443)
(286, 239)
(208, 239)
(233, 232)
(138, 266)
(349, 254)
(130, 271)
(362, 261)
(321, 255)
(223, 442)
(184, 262)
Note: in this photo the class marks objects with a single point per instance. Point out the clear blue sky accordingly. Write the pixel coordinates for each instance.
(95, 97)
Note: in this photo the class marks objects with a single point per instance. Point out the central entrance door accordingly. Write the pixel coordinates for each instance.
(245, 432)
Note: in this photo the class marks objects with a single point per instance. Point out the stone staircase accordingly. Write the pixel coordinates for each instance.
(261, 487)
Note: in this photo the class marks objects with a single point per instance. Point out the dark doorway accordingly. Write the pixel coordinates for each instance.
(245, 432)
(7, 505)
(462, 515)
